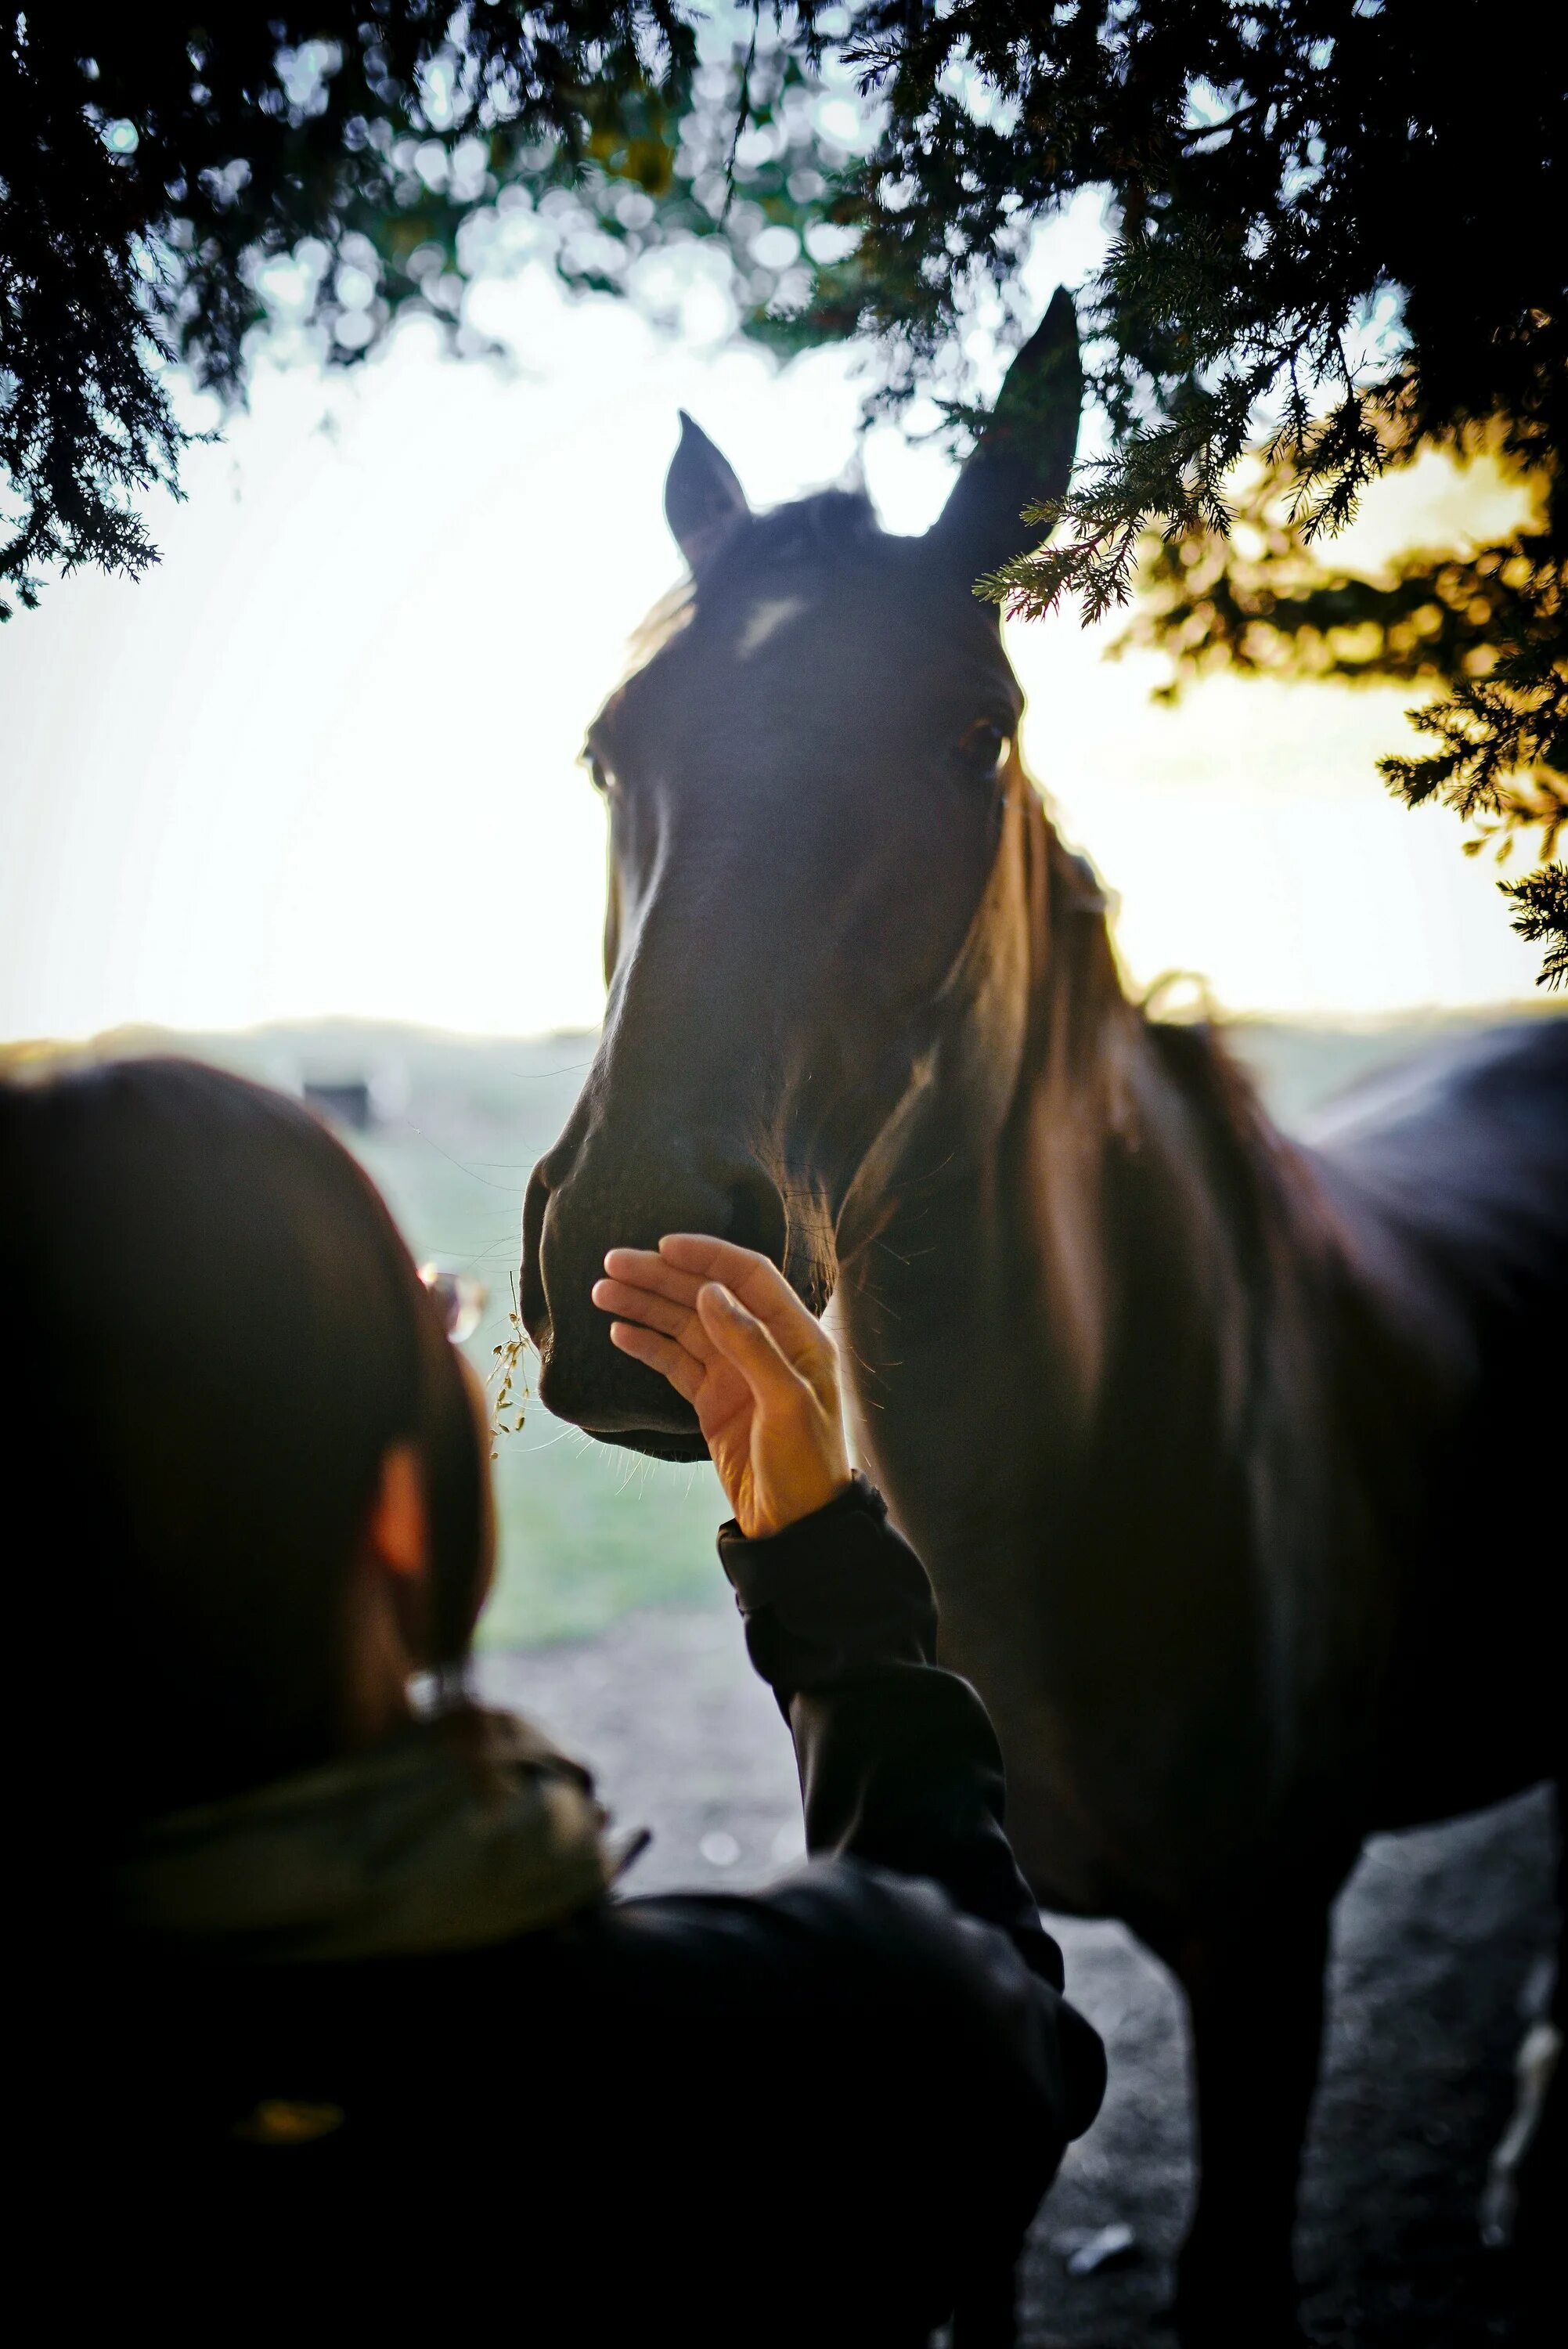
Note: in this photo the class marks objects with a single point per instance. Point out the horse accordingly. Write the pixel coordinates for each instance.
(1205, 1433)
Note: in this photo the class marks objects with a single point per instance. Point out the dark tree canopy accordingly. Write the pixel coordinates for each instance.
(1337, 244)
(153, 160)
(1340, 242)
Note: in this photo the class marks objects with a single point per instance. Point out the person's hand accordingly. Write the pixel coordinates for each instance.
(729, 1333)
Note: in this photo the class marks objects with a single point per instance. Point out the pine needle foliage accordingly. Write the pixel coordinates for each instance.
(155, 160)
(1338, 243)
(1484, 628)
(1541, 899)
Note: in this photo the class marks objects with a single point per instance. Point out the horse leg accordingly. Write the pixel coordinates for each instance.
(1254, 1995)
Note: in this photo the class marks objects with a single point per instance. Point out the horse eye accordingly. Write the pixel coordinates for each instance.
(983, 746)
(603, 779)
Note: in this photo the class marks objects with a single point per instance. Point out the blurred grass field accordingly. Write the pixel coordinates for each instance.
(457, 1124)
(586, 1532)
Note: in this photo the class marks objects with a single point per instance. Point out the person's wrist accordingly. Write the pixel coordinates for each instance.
(801, 1504)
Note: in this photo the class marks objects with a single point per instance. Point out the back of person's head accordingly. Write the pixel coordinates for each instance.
(215, 1335)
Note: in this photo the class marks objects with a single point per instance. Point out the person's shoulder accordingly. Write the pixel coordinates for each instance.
(832, 1935)
(838, 1931)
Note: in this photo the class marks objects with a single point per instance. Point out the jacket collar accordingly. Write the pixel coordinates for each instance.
(464, 1831)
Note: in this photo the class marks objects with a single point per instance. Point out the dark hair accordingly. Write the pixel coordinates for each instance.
(216, 1333)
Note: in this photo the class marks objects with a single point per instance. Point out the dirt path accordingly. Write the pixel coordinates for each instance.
(1435, 1936)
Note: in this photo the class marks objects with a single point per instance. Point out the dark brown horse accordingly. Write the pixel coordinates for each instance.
(1219, 1448)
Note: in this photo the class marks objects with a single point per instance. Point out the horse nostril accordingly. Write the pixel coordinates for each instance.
(756, 1218)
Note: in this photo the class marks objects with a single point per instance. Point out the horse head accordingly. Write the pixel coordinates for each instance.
(818, 923)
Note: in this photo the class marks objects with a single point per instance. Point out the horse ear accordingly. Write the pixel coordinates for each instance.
(704, 503)
(1025, 453)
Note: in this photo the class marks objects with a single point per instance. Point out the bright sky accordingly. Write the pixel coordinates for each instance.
(321, 759)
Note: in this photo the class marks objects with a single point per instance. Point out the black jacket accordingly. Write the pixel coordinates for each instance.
(826, 2112)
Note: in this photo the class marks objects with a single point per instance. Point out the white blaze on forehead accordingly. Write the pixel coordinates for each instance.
(768, 617)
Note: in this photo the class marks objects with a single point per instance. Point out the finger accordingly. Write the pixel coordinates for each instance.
(684, 1371)
(745, 1341)
(646, 1269)
(758, 1285)
(633, 1304)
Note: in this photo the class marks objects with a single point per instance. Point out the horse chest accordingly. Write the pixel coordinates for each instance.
(1135, 1736)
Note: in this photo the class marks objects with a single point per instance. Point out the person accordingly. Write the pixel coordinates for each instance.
(350, 2018)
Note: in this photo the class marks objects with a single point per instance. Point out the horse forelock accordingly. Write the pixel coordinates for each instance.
(662, 622)
(772, 561)
(827, 531)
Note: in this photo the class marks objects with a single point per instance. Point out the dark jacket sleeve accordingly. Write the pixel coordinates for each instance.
(900, 1767)
(860, 2079)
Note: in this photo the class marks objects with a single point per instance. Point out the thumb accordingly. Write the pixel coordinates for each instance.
(742, 1339)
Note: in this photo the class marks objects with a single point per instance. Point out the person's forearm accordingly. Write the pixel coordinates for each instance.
(899, 1763)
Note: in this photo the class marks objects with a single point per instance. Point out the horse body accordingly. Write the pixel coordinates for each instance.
(1219, 1529)
(1190, 1421)
(1197, 1428)
(1450, 1179)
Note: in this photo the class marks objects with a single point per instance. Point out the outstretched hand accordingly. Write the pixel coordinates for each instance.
(726, 1330)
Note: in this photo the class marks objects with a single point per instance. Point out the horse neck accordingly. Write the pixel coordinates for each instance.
(1108, 1283)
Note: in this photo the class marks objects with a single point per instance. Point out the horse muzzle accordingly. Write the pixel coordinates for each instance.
(581, 1203)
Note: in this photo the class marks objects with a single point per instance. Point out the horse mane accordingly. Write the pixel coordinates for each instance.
(1081, 1021)
(1262, 1178)
(1075, 1090)
(1089, 1031)
(1271, 1230)
(1111, 1080)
